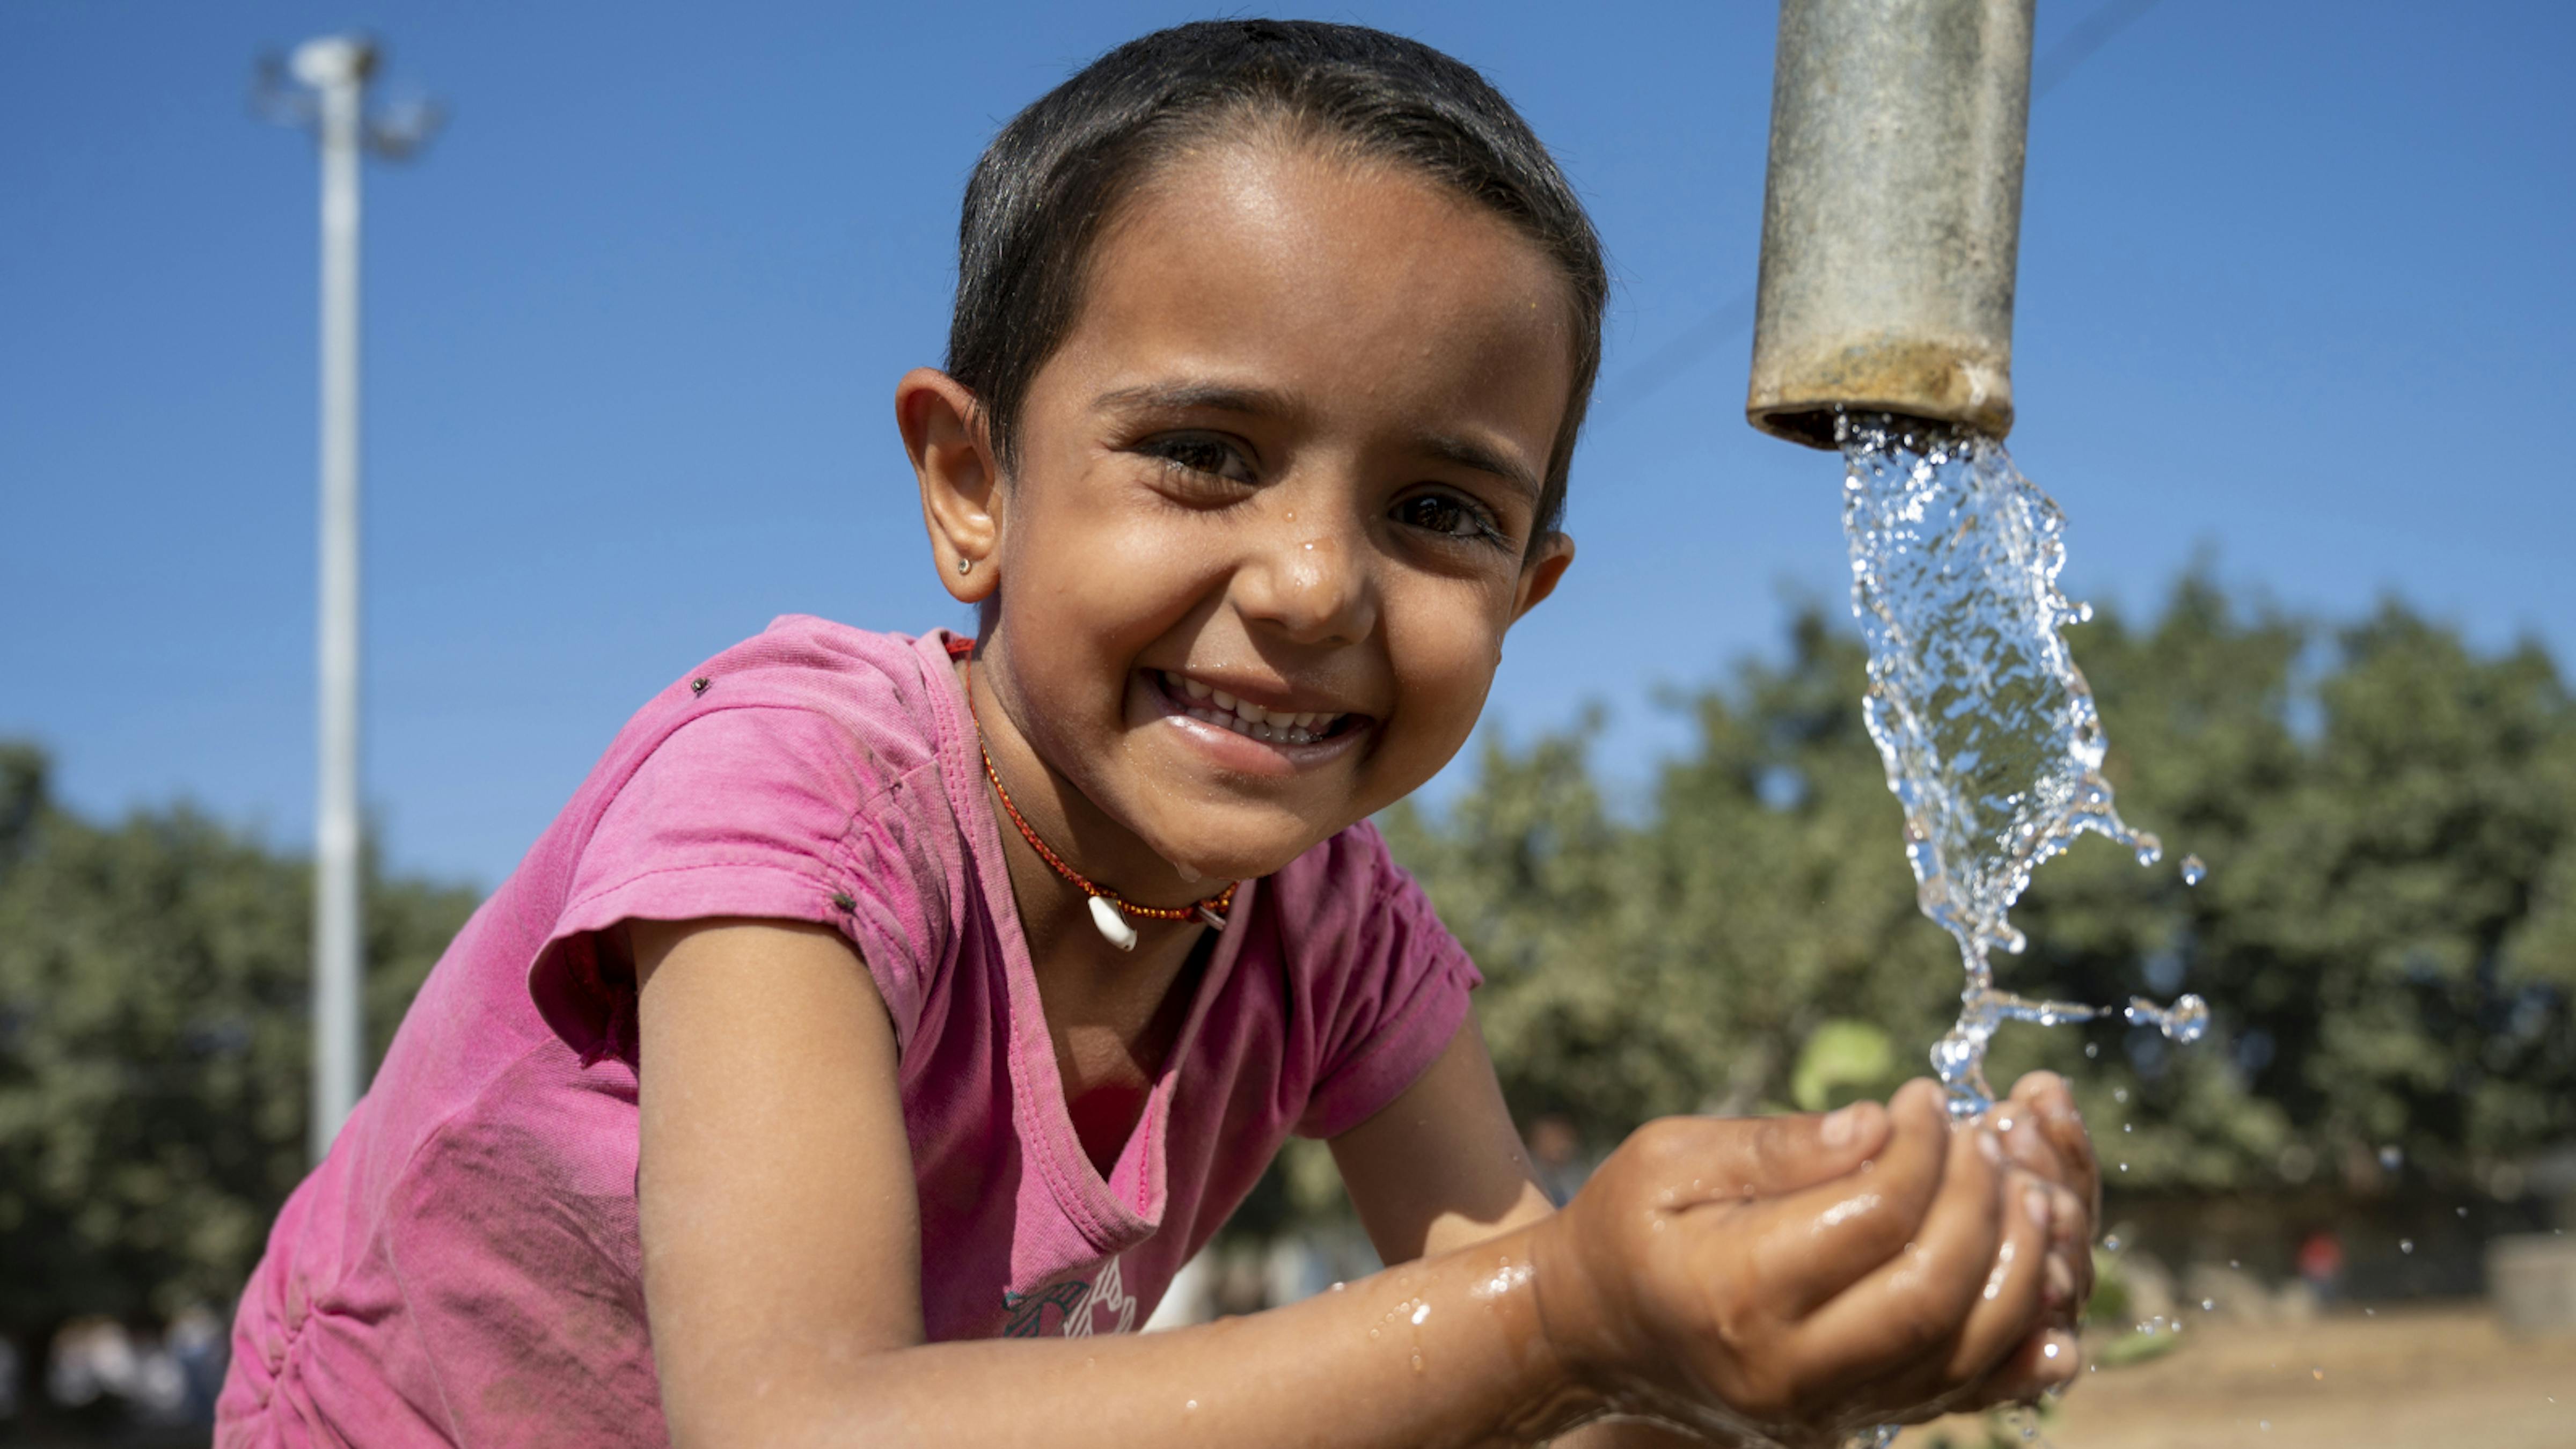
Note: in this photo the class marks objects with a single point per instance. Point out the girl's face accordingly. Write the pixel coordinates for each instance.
(1271, 514)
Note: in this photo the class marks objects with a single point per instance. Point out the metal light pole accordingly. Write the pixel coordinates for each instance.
(335, 70)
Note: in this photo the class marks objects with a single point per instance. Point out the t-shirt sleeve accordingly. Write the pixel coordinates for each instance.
(1390, 985)
(761, 811)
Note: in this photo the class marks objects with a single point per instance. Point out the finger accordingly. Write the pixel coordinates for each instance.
(2018, 1119)
(2042, 1102)
(1791, 1153)
(2011, 1313)
(2070, 1251)
(1771, 1156)
(2012, 1302)
(1914, 1303)
(2048, 1358)
(2069, 1269)
(2008, 1334)
(1700, 1160)
(2020, 1122)
(1814, 1243)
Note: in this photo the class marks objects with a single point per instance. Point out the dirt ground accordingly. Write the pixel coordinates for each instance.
(2420, 1378)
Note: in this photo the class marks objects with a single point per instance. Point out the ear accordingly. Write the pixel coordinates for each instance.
(1547, 564)
(961, 495)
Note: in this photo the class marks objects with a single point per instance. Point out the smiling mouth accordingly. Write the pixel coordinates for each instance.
(1216, 707)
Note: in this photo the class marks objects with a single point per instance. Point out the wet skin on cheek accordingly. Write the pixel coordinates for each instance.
(1288, 453)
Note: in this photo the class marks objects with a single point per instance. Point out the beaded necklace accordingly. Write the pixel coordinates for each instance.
(1109, 909)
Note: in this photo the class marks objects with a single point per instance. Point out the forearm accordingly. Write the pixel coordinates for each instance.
(1444, 1352)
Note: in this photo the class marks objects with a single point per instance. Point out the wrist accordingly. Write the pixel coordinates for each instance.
(1535, 1391)
(1568, 1312)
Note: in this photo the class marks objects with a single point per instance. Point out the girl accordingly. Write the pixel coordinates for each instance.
(881, 1001)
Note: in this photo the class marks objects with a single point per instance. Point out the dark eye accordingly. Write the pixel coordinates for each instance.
(1446, 514)
(1200, 453)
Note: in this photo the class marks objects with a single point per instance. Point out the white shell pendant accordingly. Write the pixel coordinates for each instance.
(1113, 926)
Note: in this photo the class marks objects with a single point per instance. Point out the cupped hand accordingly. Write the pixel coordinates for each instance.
(2043, 1134)
(1799, 1277)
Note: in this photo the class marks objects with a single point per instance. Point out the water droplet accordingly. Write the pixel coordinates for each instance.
(1191, 1407)
(2193, 872)
(2209, 1305)
(2124, 1167)
(2110, 1242)
(2092, 1049)
(2463, 1212)
(2184, 1021)
(2392, 1157)
(1420, 1314)
(2406, 1245)
(2316, 1373)
(2119, 1094)
(2128, 1126)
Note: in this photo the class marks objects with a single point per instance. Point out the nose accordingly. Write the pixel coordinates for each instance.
(1309, 583)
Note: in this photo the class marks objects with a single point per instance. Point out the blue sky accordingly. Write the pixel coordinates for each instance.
(2298, 287)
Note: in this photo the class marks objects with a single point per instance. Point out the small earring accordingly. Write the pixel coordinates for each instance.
(965, 565)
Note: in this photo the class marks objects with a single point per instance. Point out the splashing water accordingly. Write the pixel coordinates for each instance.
(1986, 726)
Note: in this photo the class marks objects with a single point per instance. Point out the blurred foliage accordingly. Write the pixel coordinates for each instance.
(1842, 1062)
(153, 1048)
(2017, 1428)
(2111, 1300)
(2114, 1303)
(2136, 1346)
(2387, 935)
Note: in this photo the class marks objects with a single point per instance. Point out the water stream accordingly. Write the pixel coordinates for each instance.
(1987, 728)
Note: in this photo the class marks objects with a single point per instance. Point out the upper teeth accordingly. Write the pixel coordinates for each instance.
(1252, 718)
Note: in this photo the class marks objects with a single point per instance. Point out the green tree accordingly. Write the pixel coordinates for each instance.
(2375, 931)
(153, 1049)
(1677, 963)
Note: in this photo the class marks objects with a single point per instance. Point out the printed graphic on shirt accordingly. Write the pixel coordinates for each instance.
(1074, 1308)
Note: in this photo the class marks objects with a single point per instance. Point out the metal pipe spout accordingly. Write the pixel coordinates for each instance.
(1891, 219)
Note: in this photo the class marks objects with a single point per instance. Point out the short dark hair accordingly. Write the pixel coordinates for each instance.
(1049, 182)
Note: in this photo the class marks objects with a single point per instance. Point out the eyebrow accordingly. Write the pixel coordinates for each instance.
(1265, 403)
(1196, 396)
(1468, 453)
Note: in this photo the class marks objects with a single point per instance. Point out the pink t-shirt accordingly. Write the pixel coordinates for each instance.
(464, 1266)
